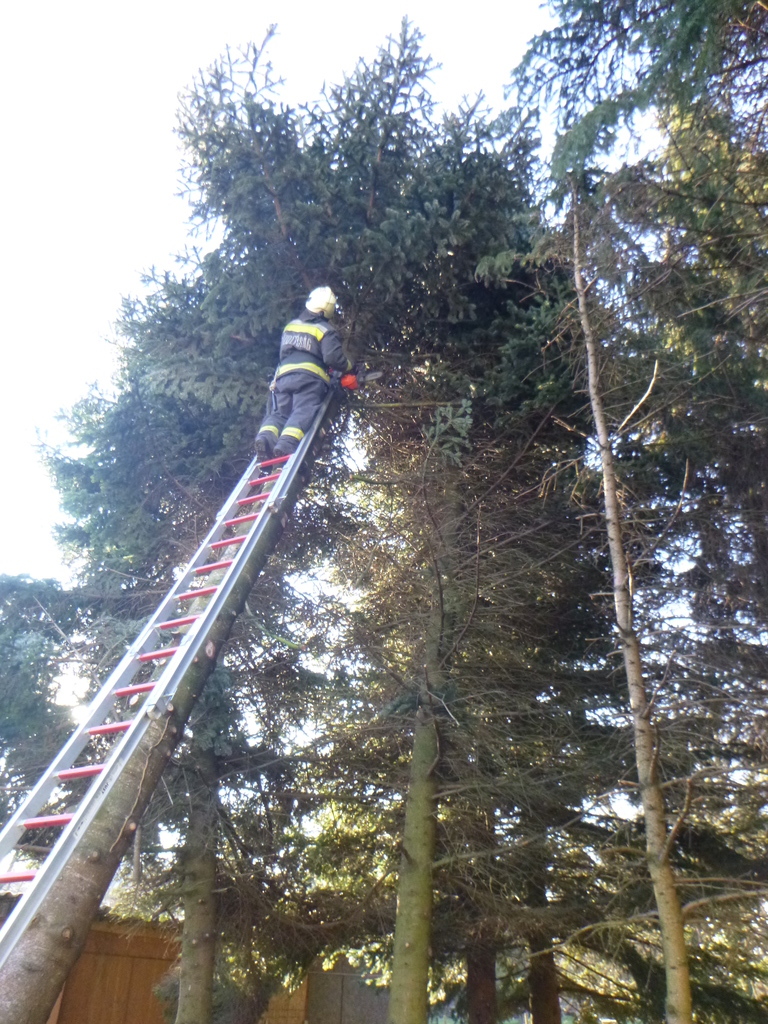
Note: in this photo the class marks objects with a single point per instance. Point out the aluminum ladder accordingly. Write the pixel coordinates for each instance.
(249, 523)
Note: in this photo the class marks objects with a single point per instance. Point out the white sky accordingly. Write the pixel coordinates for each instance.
(89, 172)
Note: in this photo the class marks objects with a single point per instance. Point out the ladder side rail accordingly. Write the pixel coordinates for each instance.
(285, 488)
(192, 640)
(36, 798)
(198, 559)
(29, 904)
(123, 750)
(264, 534)
(124, 671)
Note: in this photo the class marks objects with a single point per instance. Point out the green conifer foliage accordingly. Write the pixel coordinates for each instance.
(40, 626)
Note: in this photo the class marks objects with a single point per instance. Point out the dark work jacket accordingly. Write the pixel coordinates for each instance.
(310, 343)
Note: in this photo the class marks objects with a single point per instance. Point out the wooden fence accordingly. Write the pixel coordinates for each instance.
(114, 979)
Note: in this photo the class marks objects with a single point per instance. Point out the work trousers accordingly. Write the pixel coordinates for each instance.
(291, 410)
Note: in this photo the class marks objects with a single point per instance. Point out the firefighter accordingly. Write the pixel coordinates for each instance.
(309, 350)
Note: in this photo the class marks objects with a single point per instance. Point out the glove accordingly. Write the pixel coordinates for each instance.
(349, 381)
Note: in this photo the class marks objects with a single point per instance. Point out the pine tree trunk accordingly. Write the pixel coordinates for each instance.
(482, 1007)
(543, 978)
(408, 996)
(198, 943)
(35, 972)
(481, 984)
(544, 988)
(678, 996)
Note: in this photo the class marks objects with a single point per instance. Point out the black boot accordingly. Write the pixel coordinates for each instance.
(262, 449)
(284, 447)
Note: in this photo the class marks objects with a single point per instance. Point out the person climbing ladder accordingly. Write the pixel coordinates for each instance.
(310, 349)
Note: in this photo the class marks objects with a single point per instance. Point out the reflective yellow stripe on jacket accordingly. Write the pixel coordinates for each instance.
(299, 327)
(312, 367)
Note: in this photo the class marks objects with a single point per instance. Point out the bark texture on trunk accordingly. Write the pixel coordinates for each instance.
(35, 972)
(409, 988)
(481, 984)
(198, 942)
(678, 996)
(544, 988)
(408, 994)
(543, 977)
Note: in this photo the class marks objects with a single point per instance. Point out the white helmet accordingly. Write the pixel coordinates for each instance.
(322, 300)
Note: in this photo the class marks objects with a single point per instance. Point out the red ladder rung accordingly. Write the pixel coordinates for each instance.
(264, 480)
(243, 519)
(214, 565)
(110, 727)
(128, 691)
(167, 652)
(17, 876)
(227, 543)
(85, 771)
(275, 462)
(47, 820)
(255, 497)
(172, 623)
(192, 594)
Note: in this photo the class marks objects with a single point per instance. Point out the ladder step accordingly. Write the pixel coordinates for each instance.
(213, 565)
(172, 623)
(255, 497)
(264, 480)
(128, 691)
(167, 652)
(243, 519)
(105, 730)
(192, 594)
(275, 462)
(47, 820)
(85, 771)
(227, 543)
(17, 876)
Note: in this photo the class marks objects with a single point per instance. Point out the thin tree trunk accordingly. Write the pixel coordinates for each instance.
(543, 978)
(198, 943)
(678, 996)
(408, 995)
(544, 987)
(409, 998)
(482, 1006)
(481, 984)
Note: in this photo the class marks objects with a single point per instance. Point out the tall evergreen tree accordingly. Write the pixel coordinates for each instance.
(675, 246)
